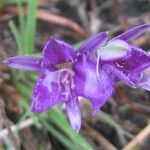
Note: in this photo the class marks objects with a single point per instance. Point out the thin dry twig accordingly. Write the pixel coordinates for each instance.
(7, 125)
(14, 128)
(82, 13)
(120, 18)
(100, 138)
(52, 18)
(46, 16)
(138, 140)
(130, 104)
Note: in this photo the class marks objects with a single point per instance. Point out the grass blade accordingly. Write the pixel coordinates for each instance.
(29, 34)
(58, 118)
(17, 36)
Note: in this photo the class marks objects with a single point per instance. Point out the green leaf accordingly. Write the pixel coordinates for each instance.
(107, 118)
(59, 136)
(58, 118)
(17, 36)
(25, 35)
(29, 32)
(21, 16)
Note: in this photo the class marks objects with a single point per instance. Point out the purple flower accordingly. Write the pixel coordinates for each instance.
(131, 68)
(114, 61)
(91, 71)
(57, 79)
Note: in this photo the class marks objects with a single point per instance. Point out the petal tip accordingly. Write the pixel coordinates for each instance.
(104, 34)
(77, 128)
(35, 108)
(133, 32)
(5, 61)
(29, 63)
(146, 25)
(74, 115)
(75, 124)
(143, 28)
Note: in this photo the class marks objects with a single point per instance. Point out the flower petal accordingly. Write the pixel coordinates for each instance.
(131, 79)
(24, 63)
(74, 114)
(46, 91)
(140, 59)
(96, 90)
(145, 82)
(129, 68)
(132, 33)
(56, 52)
(93, 43)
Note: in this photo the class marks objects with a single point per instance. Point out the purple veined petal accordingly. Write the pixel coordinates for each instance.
(88, 86)
(131, 79)
(132, 33)
(112, 51)
(129, 68)
(74, 114)
(140, 58)
(93, 43)
(24, 63)
(46, 91)
(56, 52)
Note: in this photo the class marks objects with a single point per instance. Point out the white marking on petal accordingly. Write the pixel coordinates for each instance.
(90, 82)
(114, 50)
(49, 78)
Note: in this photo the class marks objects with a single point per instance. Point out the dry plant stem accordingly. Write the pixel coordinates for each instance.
(99, 138)
(53, 18)
(29, 140)
(83, 16)
(14, 128)
(64, 32)
(129, 103)
(142, 107)
(7, 125)
(117, 11)
(82, 13)
(46, 16)
(95, 22)
(139, 139)
(120, 132)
